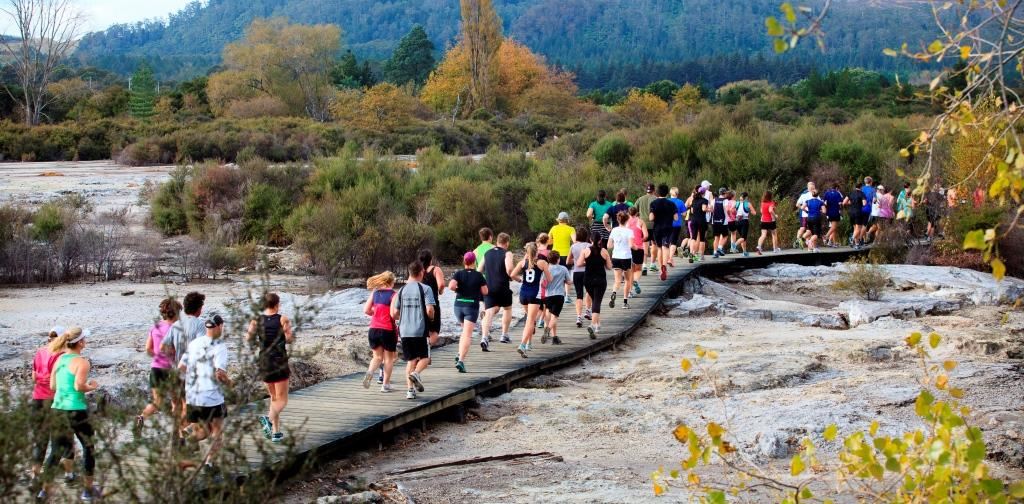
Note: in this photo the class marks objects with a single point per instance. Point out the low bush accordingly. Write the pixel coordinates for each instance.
(266, 209)
(864, 278)
(613, 149)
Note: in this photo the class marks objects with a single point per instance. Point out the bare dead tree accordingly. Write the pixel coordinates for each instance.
(47, 31)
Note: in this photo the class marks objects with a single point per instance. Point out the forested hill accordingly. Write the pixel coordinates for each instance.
(600, 40)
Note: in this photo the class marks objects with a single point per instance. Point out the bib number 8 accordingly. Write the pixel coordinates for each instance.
(530, 275)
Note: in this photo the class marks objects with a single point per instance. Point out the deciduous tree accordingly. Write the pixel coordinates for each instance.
(482, 36)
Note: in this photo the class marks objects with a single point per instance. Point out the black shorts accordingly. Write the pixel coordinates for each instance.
(596, 291)
(501, 298)
(698, 231)
(434, 324)
(415, 348)
(769, 226)
(383, 338)
(814, 226)
(205, 413)
(163, 379)
(719, 230)
(733, 226)
(638, 257)
(577, 283)
(834, 218)
(742, 229)
(464, 312)
(663, 237)
(275, 371)
(677, 233)
(529, 300)
(622, 264)
(554, 304)
(932, 216)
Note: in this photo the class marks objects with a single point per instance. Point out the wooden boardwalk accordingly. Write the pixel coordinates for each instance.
(339, 415)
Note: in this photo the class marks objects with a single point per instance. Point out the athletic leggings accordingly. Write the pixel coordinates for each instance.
(64, 442)
(596, 291)
(43, 420)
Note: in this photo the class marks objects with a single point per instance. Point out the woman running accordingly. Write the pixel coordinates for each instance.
(581, 243)
(469, 287)
(640, 236)
(886, 213)
(531, 271)
(730, 221)
(382, 336)
(554, 301)
(433, 277)
(70, 381)
(743, 213)
(769, 223)
(42, 403)
(595, 261)
(620, 241)
(595, 214)
(162, 376)
(543, 250)
(272, 331)
(698, 223)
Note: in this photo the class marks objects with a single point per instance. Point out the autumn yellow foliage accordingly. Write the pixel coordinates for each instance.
(381, 108)
(642, 108)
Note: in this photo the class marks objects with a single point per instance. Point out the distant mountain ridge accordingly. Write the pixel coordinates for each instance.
(581, 35)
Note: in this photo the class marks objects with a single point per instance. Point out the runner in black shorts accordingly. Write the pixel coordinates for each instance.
(496, 266)
(575, 252)
(382, 336)
(595, 261)
(469, 287)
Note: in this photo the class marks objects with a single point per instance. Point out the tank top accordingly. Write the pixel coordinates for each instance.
(430, 281)
(638, 233)
(766, 211)
(67, 398)
(593, 272)
(381, 318)
(576, 252)
(742, 212)
(272, 342)
(531, 281)
(494, 270)
(157, 333)
(718, 211)
(731, 211)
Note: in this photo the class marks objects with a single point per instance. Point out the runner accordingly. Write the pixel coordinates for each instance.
(582, 298)
(719, 227)
(611, 220)
(595, 214)
(70, 382)
(663, 214)
(382, 337)
(620, 242)
(469, 287)
(743, 213)
(649, 249)
(496, 267)
(554, 301)
(815, 207)
(640, 236)
(272, 332)
(677, 224)
(769, 223)
(42, 404)
(486, 238)
(176, 341)
(543, 250)
(801, 213)
(531, 271)
(886, 213)
(562, 237)
(162, 376)
(433, 277)
(834, 208)
(905, 204)
(867, 209)
(205, 369)
(698, 223)
(413, 307)
(855, 202)
(595, 261)
(933, 208)
(730, 220)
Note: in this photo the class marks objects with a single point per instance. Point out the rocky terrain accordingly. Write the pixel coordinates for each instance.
(792, 361)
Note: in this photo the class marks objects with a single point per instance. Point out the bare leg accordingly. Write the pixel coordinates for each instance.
(466, 339)
(506, 320)
(389, 366)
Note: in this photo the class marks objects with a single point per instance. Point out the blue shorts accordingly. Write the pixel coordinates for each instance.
(465, 313)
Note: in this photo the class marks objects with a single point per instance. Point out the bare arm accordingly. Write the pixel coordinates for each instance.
(222, 376)
(453, 285)
(509, 263)
(149, 346)
(251, 333)
(82, 383)
(394, 307)
(286, 326)
(439, 276)
(430, 311)
(516, 271)
(368, 307)
(546, 269)
(607, 259)
(483, 289)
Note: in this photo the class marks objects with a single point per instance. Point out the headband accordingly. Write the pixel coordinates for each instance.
(85, 332)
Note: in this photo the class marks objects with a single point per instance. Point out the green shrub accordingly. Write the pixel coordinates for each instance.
(864, 278)
(266, 209)
(856, 160)
(168, 210)
(48, 221)
(613, 149)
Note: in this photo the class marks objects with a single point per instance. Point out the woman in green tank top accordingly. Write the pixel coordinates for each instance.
(70, 382)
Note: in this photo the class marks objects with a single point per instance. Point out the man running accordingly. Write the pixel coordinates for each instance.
(561, 237)
(413, 307)
(698, 223)
(933, 207)
(833, 212)
(469, 287)
(486, 243)
(815, 207)
(677, 224)
(869, 201)
(595, 214)
(719, 227)
(205, 367)
(801, 213)
(649, 249)
(272, 331)
(855, 202)
(663, 214)
(496, 266)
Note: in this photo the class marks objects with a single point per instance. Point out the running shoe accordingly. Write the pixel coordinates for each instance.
(522, 350)
(588, 314)
(461, 366)
(759, 251)
(547, 334)
(653, 267)
(485, 344)
(643, 271)
(733, 250)
(92, 494)
(625, 303)
(746, 254)
(267, 426)
(41, 496)
(715, 255)
(777, 250)
(386, 387)
(592, 331)
(69, 478)
(410, 394)
(611, 304)
(529, 347)
(556, 340)
(579, 322)
(540, 324)
(367, 379)
(636, 288)
(505, 339)
(416, 381)
(380, 376)
(664, 273)
(277, 437)
(691, 258)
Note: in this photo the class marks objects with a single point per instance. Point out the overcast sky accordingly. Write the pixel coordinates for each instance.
(103, 13)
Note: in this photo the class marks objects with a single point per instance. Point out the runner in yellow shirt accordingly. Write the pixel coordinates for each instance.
(562, 235)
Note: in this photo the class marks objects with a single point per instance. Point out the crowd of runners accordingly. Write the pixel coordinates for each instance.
(568, 265)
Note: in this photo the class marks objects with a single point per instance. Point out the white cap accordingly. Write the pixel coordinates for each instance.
(57, 329)
(705, 184)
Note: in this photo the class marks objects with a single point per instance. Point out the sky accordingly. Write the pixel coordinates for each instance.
(103, 13)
